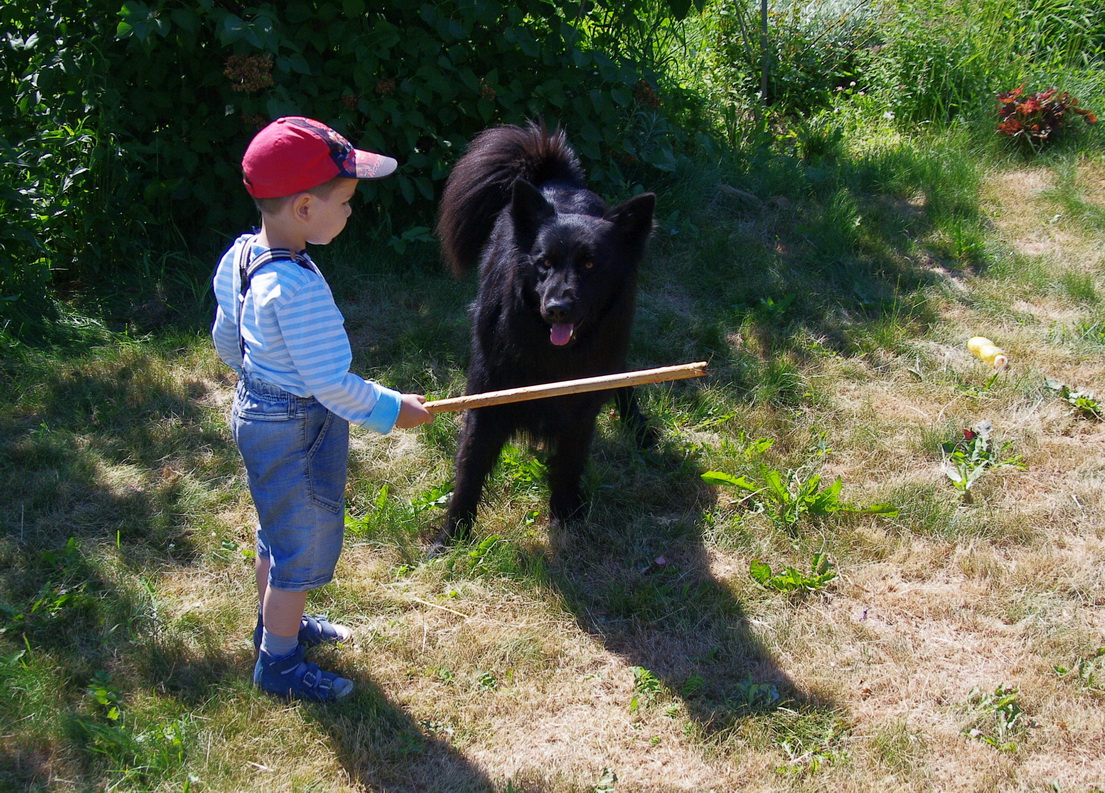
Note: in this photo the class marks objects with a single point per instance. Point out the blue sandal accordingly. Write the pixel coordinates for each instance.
(313, 631)
(295, 678)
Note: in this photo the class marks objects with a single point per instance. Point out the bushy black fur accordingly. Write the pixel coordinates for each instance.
(558, 279)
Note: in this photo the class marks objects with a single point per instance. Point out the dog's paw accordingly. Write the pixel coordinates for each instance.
(445, 540)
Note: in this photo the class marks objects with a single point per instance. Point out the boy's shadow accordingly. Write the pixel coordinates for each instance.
(375, 740)
(382, 748)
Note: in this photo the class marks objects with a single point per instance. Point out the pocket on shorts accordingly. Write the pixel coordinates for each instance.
(253, 407)
(327, 458)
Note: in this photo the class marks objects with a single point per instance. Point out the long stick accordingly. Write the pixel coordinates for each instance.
(640, 377)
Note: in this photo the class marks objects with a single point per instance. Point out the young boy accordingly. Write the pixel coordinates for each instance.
(277, 325)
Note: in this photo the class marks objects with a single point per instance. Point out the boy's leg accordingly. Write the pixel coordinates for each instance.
(313, 630)
(281, 668)
(261, 573)
(283, 612)
(295, 454)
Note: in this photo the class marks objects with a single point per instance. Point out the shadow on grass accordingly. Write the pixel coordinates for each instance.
(382, 748)
(638, 576)
(96, 496)
(379, 746)
(67, 621)
(104, 451)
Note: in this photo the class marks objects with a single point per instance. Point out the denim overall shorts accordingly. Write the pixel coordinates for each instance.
(296, 454)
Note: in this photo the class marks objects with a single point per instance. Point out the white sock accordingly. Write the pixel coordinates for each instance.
(278, 646)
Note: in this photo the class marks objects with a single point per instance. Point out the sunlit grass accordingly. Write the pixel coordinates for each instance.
(833, 307)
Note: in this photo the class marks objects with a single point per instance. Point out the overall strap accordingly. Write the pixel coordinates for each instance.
(248, 265)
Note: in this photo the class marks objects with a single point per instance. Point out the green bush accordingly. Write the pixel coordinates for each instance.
(129, 122)
(813, 48)
(938, 60)
(61, 186)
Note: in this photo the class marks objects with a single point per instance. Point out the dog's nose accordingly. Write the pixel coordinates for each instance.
(558, 311)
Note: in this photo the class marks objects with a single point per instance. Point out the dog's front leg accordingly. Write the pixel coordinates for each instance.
(481, 440)
(644, 433)
(566, 464)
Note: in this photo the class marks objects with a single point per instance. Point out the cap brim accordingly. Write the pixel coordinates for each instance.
(373, 166)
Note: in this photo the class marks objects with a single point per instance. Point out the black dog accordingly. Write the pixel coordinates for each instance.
(558, 279)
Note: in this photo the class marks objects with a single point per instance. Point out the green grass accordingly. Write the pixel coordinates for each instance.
(832, 296)
(126, 543)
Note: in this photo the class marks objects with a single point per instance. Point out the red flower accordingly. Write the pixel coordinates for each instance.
(1038, 116)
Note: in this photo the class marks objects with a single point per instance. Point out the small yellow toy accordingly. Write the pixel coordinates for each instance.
(984, 349)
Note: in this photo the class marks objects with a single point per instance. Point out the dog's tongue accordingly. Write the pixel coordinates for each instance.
(561, 333)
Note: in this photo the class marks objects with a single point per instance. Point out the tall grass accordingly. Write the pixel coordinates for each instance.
(919, 61)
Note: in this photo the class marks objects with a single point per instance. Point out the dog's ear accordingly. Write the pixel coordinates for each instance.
(529, 210)
(634, 217)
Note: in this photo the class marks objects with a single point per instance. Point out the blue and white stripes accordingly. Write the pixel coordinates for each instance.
(295, 339)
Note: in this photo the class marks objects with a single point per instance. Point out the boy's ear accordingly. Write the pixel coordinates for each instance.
(301, 206)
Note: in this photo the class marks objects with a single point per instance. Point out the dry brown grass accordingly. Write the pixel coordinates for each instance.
(507, 685)
(521, 669)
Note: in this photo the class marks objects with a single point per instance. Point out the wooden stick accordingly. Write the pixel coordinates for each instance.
(603, 382)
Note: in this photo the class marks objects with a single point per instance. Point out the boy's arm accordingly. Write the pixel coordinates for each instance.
(225, 335)
(225, 330)
(314, 333)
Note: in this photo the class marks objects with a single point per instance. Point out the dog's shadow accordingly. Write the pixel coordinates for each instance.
(640, 577)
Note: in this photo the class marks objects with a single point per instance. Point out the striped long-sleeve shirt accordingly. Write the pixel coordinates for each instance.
(295, 338)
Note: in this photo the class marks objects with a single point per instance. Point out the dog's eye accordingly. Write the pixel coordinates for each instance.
(588, 265)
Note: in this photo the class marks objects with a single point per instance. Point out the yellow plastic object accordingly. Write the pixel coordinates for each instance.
(984, 349)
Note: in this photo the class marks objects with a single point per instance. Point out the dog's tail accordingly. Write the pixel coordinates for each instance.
(481, 182)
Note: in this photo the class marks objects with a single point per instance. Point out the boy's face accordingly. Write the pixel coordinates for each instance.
(330, 212)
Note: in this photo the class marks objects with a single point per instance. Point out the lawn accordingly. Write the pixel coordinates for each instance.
(859, 596)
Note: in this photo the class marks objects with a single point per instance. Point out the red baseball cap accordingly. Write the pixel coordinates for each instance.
(293, 154)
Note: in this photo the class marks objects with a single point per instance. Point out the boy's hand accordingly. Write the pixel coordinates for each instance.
(411, 412)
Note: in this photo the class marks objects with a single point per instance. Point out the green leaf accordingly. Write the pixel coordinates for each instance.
(722, 478)
(231, 29)
(820, 563)
(299, 64)
(774, 481)
(887, 510)
(760, 572)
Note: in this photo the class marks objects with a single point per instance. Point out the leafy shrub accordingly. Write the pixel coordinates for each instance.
(999, 719)
(792, 581)
(968, 459)
(1082, 403)
(812, 50)
(146, 109)
(789, 496)
(1036, 118)
(62, 183)
(24, 267)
